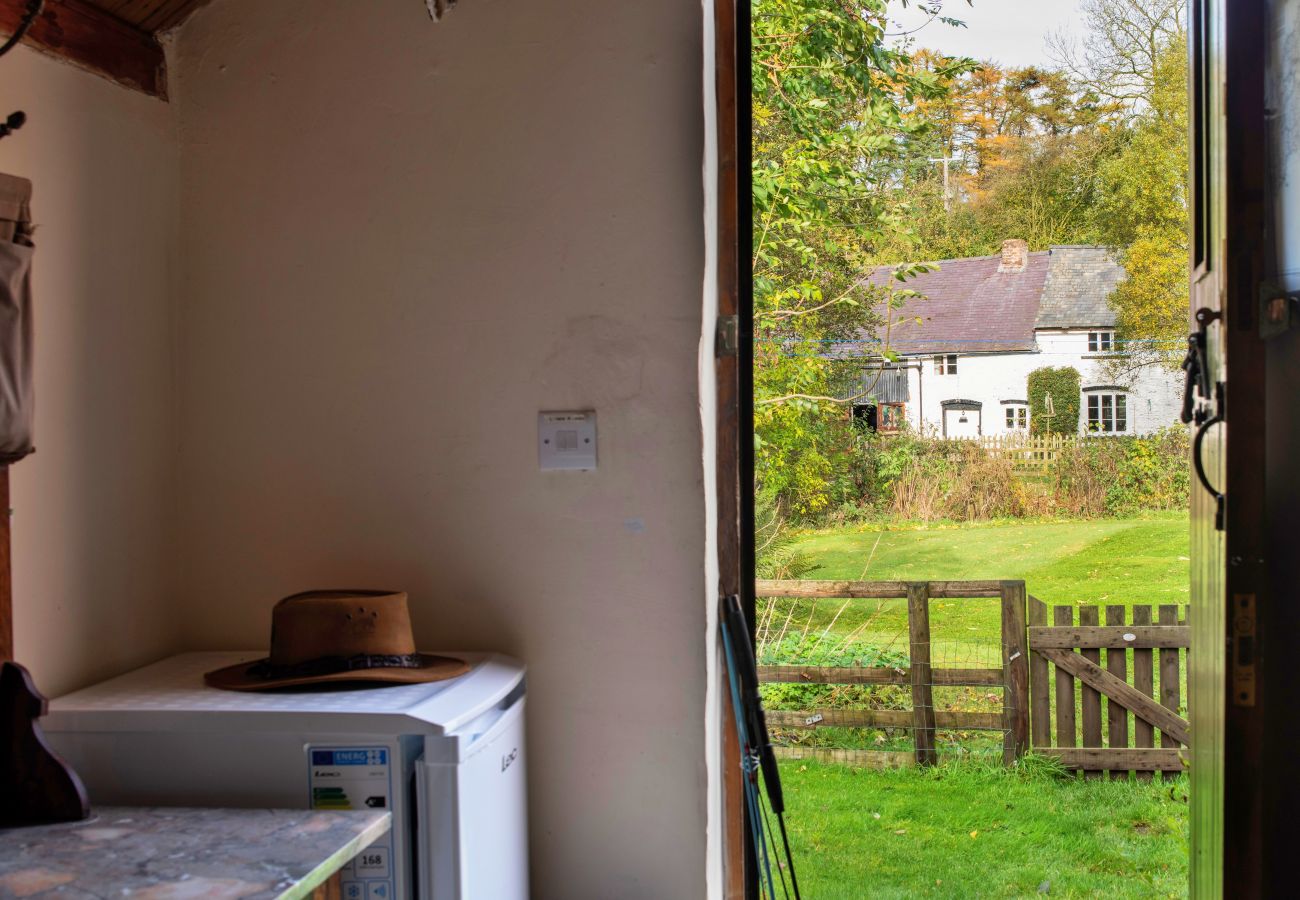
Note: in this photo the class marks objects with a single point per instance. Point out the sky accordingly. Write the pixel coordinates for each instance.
(1011, 32)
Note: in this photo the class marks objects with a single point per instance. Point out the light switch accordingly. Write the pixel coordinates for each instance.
(566, 440)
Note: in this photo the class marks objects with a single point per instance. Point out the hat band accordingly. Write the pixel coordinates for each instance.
(332, 665)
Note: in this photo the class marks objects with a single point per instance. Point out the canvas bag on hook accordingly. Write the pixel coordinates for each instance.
(16, 249)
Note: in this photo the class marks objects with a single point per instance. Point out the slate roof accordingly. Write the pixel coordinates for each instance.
(1079, 280)
(969, 307)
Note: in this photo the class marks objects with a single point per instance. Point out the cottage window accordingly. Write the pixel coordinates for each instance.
(945, 365)
(1108, 413)
(1017, 418)
(1101, 341)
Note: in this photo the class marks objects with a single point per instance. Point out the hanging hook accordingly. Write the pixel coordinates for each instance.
(33, 10)
(16, 120)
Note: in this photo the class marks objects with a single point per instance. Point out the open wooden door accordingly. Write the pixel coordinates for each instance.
(1229, 193)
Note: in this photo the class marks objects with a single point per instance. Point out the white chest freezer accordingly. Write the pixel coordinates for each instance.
(447, 758)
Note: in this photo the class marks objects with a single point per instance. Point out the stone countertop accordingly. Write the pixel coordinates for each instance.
(145, 853)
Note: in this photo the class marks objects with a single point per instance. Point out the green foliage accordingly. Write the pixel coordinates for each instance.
(777, 555)
(910, 478)
(831, 99)
(1118, 476)
(818, 649)
(1061, 416)
(1143, 209)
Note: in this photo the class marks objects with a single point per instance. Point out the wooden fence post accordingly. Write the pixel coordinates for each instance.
(1040, 713)
(1169, 689)
(1066, 727)
(918, 626)
(1144, 681)
(1090, 697)
(1015, 664)
(1117, 665)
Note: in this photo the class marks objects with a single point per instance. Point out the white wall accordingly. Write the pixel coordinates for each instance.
(1155, 394)
(92, 521)
(401, 241)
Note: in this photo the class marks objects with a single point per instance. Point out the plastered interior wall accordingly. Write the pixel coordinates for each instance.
(401, 241)
(93, 507)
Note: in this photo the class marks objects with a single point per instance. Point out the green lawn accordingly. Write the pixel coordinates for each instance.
(968, 832)
(1142, 560)
(1082, 838)
(1108, 561)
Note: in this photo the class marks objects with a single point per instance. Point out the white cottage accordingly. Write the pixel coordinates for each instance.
(986, 322)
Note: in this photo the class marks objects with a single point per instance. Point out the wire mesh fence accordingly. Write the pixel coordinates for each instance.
(894, 673)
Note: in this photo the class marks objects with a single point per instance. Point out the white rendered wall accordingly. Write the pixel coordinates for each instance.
(92, 508)
(402, 241)
(1154, 396)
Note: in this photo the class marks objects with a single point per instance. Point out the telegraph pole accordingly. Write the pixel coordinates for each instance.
(947, 197)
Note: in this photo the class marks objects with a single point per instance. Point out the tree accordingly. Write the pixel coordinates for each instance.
(1142, 209)
(1120, 57)
(832, 113)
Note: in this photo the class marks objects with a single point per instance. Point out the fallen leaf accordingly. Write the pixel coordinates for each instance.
(974, 834)
(901, 831)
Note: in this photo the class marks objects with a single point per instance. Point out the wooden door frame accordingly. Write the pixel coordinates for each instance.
(733, 372)
(1229, 568)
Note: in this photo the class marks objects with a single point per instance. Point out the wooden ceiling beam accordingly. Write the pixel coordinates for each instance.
(94, 40)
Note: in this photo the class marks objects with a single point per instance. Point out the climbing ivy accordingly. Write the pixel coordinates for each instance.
(1062, 384)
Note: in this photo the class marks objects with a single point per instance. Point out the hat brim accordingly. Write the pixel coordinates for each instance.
(239, 677)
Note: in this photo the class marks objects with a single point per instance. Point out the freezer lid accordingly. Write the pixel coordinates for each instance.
(170, 695)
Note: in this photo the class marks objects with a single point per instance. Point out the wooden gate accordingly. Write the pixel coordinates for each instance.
(920, 675)
(1074, 652)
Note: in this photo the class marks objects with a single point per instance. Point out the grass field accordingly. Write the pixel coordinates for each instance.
(1109, 561)
(972, 832)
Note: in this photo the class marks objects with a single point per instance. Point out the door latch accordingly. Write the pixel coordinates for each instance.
(727, 337)
(1196, 368)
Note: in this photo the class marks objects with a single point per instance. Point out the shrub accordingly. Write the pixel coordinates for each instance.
(1063, 386)
(1118, 476)
(776, 554)
(829, 650)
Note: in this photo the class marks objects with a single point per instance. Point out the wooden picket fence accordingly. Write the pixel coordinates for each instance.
(920, 675)
(1074, 652)
(1027, 452)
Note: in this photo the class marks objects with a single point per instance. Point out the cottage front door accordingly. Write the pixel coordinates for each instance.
(962, 422)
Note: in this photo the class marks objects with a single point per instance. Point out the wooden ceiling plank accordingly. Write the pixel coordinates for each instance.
(170, 13)
(129, 11)
(139, 12)
(91, 38)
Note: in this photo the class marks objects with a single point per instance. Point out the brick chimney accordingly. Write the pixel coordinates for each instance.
(1015, 255)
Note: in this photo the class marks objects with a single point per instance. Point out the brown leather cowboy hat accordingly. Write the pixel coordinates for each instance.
(319, 637)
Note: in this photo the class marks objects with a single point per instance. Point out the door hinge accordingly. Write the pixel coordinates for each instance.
(727, 341)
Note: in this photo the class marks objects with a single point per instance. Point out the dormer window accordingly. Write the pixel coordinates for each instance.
(1101, 341)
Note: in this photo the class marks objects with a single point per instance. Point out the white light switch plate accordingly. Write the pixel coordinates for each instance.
(566, 440)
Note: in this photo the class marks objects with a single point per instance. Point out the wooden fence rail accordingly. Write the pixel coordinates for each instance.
(1153, 641)
(920, 674)
(1074, 652)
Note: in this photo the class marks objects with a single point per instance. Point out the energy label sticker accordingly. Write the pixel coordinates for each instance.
(356, 778)
(349, 778)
